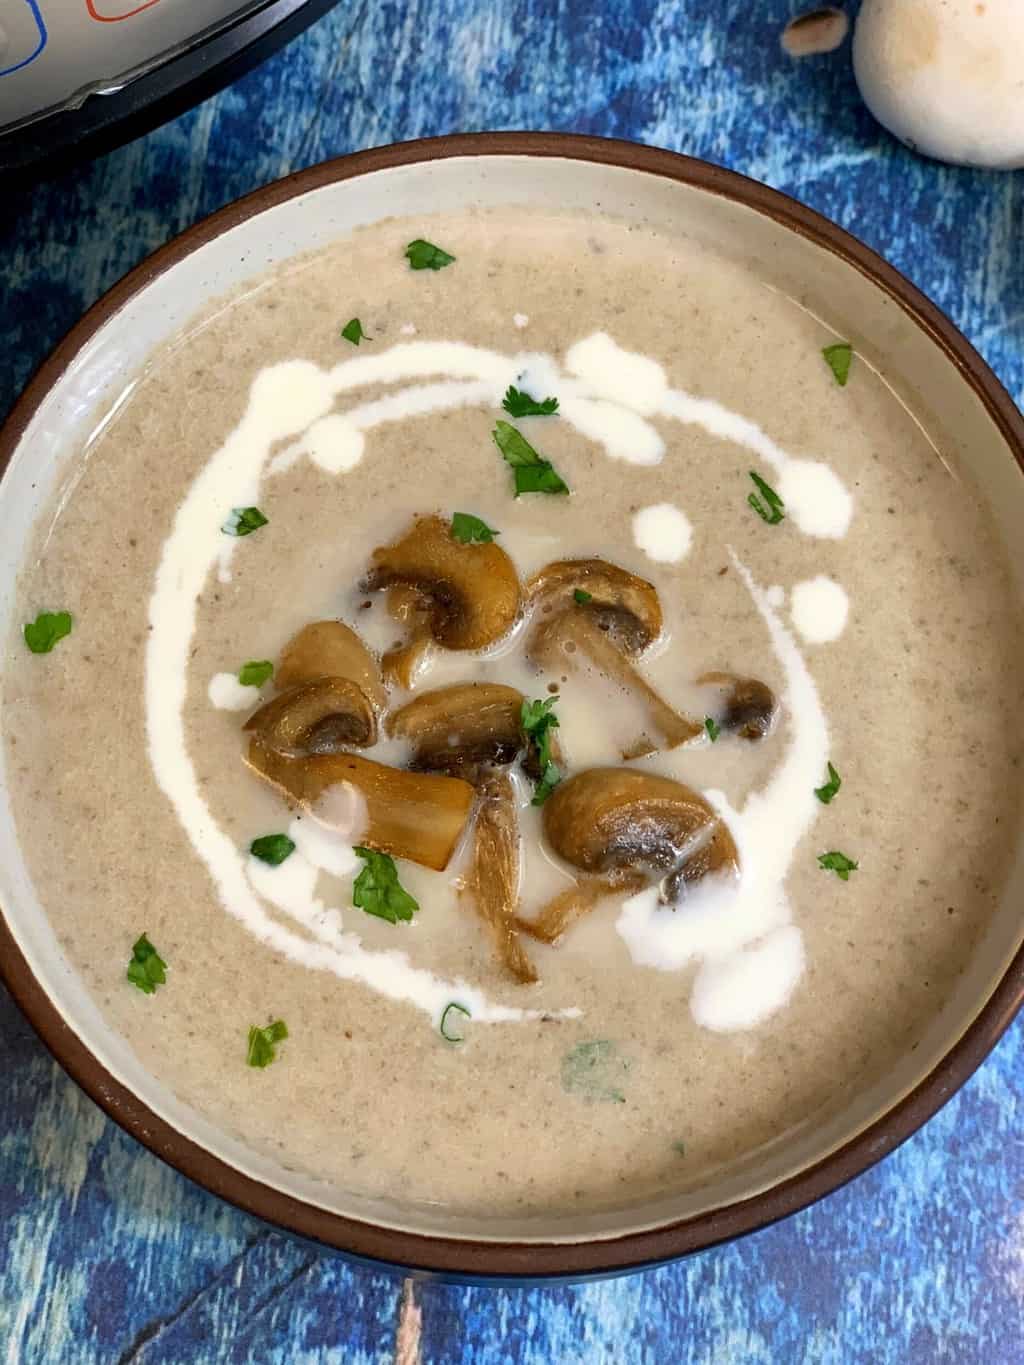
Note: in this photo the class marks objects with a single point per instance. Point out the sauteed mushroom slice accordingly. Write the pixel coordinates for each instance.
(409, 815)
(493, 880)
(750, 706)
(461, 729)
(401, 664)
(571, 638)
(317, 717)
(609, 819)
(330, 649)
(620, 603)
(571, 905)
(469, 591)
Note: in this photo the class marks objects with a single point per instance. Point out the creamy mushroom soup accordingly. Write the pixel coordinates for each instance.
(515, 712)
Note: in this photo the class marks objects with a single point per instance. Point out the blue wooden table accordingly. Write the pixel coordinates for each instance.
(105, 1254)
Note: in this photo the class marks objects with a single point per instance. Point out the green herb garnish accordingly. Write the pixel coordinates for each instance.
(255, 673)
(838, 863)
(147, 969)
(470, 530)
(839, 357)
(243, 521)
(538, 720)
(43, 633)
(679, 1147)
(378, 891)
(353, 331)
(773, 513)
(423, 255)
(713, 730)
(533, 474)
(461, 1009)
(592, 1070)
(582, 597)
(272, 849)
(826, 793)
(520, 404)
(263, 1043)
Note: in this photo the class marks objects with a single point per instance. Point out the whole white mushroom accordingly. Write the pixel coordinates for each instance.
(946, 76)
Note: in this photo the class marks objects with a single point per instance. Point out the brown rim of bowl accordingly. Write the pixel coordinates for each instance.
(513, 1260)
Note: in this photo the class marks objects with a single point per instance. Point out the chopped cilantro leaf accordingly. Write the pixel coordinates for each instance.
(445, 1026)
(147, 969)
(838, 863)
(713, 730)
(263, 1043)
(272, 849)
(538, 719)
(423, 255)
(243, 521)
(582, 597)
(378, 891)
(43, 633)
(519, 404)
(533, 474)
(255, 673)
(353, 331)
(839, 357)
(826, 793)
(773, 512)
(469, 530)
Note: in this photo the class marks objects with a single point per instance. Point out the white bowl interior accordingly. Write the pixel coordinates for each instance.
(884, 335)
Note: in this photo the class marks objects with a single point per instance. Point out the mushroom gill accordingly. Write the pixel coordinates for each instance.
(612, 820)
(468, 593)
(493, 879)
(461, 729)
(316, 717)
(417, 816)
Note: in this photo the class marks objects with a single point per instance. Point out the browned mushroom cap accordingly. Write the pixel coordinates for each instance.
(409, 815)
(462, 728)
(750, 706)
(318, 717)
(493, 879)
(571, 905)
(618, 602)
(571, 639)
(330, 649)
(607, 819)
(471, 591)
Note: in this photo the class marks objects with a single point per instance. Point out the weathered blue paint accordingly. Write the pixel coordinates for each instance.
(105, 1254)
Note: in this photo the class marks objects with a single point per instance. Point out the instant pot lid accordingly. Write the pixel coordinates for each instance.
(79, 77)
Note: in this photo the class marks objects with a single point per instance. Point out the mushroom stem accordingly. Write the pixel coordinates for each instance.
(569, 906)
(572, 638)
(409, 815)
(493, 880)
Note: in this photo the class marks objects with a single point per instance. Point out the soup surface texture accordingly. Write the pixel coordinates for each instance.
(681, 1022)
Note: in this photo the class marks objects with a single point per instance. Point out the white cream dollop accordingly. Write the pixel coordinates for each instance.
(226, 693)
(819, 607)
(663, 532)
